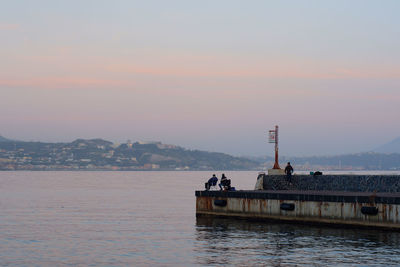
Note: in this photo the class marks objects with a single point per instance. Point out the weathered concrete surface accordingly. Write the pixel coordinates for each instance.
(276, 172)
(327, 196)
(314, 207)
(349, 183)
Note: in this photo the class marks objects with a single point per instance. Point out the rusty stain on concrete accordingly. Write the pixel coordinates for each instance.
(316, 211)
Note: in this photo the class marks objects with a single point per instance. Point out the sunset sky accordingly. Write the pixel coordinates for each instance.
(210, 75)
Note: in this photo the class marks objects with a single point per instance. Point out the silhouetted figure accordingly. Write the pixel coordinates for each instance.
(211, 182)
(225, 183)
(288, 172)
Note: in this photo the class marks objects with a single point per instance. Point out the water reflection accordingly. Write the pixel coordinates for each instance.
(148, 219)
(234, 241)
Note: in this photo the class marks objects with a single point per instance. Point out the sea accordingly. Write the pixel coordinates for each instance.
(83, 218)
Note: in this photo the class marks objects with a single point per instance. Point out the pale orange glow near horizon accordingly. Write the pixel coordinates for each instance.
(67, 73)
(208, 78)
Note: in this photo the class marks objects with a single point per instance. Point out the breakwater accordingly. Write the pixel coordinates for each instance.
(347, 183)
(370, 201)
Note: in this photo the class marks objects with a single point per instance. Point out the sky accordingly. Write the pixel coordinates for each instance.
(209, 75)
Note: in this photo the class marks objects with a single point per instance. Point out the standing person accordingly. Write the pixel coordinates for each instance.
(288, 172)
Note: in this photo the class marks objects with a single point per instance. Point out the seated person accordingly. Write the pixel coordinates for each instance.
(225, 183)
(211, 182)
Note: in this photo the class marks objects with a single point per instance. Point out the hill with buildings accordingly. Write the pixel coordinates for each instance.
(98, 154)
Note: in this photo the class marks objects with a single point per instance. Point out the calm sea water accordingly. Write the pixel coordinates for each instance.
(148, 219)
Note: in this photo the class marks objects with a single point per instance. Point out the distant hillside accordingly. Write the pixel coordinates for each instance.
(391, 147)
(360, 161)
(98, 154)
(3, 139)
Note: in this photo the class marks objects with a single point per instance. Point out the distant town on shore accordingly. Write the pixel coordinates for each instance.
(99, 154)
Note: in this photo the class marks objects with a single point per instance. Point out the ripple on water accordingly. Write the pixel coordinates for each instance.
(148, 219)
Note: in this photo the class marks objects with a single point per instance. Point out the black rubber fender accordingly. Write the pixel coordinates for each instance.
(220, 202)
(368, 210)
(287, 206)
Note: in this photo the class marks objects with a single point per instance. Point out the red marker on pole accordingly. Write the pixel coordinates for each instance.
(273, 138)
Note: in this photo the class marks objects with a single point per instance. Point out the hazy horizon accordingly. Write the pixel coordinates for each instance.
(214, 76)
(270, 152)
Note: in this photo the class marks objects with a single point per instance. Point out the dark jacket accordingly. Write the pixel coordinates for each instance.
(213, 181)
(288, 169)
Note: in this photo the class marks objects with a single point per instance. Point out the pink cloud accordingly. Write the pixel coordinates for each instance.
(282, 70)
(60, 82)
(9, 27)
(61, 70)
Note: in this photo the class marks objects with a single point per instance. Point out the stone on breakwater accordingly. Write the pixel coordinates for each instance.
(349, 183)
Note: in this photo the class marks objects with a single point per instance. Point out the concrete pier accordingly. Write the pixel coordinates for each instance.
(361, 209)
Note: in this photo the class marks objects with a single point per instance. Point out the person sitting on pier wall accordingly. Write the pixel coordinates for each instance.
(288, 172)
(211, 182)
(225, 183)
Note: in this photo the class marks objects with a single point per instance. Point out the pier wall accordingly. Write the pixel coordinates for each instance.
(312, 207)
(349, 183)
